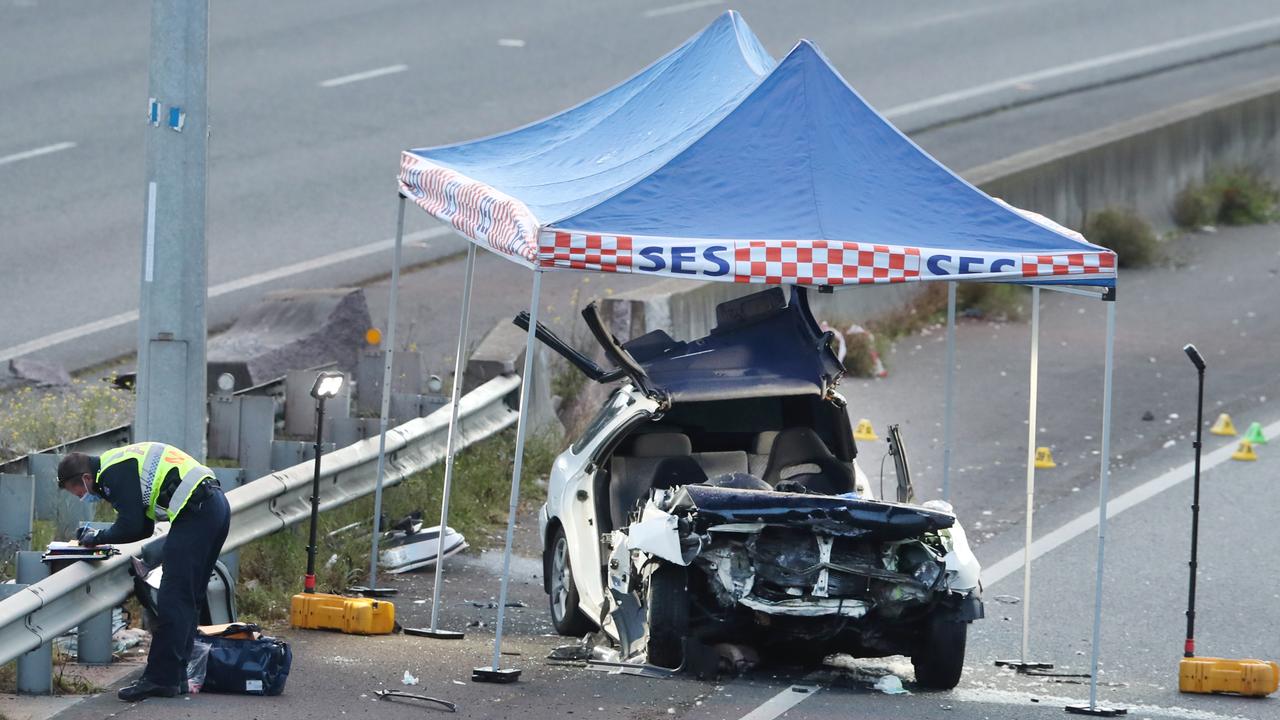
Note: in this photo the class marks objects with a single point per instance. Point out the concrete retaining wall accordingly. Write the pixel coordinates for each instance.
(1145, 162)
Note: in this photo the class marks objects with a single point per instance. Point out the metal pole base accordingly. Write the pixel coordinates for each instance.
(437, 634)
(502, 676)
(1023, 666)
(1096, 710)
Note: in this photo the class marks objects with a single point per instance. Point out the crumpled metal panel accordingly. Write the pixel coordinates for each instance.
(829, 514)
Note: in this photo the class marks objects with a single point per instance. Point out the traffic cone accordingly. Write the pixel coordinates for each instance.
(864, 431)
(1244, 452)
(1254, 434)
(1224, 426)
(1044, 459)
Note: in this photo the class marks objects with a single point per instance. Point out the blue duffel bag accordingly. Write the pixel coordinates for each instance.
(243, 661)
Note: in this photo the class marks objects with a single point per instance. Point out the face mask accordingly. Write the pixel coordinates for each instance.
(89, 498)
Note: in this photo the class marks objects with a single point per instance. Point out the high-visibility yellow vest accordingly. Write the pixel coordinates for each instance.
(154, 461)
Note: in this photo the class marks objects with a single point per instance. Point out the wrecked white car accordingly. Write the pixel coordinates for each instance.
(716, 498)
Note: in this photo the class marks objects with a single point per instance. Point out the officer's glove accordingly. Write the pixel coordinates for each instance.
(87, 536)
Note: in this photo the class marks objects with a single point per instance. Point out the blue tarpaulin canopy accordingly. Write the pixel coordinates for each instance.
(718, 163)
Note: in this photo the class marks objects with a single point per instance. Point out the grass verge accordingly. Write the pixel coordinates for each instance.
(271, 568)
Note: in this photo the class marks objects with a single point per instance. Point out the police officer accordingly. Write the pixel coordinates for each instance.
(147, 482)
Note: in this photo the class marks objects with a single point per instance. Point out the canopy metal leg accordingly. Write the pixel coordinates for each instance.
(388, 353)
(950, 387)
(1104, 481)
(458, 372)
(1022, 665)
(495, 673)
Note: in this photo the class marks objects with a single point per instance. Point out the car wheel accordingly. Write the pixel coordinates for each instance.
(939, 659)
(566, 616)
(667, 605)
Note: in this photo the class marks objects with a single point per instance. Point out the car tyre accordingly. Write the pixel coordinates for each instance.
(566, 615)
(667, 605)
(939, 659)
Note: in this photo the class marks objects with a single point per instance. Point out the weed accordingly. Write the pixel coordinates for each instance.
(1194, 207)
(1236, 196)
(1244, 196)
(74, 683)
(1122, 230)
(271, 568)
(566, 381)
(33, 419)
(997, 301)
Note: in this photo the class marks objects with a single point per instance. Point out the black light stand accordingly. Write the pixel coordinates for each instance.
(1189, 647)
(327, 385)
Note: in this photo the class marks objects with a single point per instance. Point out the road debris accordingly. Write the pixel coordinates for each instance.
(389, 694)
(890, 685)
(409, 679)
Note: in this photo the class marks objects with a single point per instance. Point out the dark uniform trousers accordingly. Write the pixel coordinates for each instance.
(190, 551)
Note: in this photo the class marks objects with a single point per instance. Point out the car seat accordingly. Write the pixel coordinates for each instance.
(800, 461)
(632, 476)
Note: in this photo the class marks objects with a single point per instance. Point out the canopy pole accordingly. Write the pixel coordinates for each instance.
(386, 397)
(495, 673)
(1105, 478)
(1022, 665)
(458, 372)
(949, 393)
(1031, 471)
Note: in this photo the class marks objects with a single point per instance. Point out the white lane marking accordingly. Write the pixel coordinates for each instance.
(125, 318)
(1070, 68)
(1089, 520)
(366, 75)
(1007, 697)
(27, 155)
(782, 702)
(510, 42)
(682, 7)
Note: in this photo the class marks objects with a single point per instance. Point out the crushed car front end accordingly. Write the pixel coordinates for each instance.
(805, 575)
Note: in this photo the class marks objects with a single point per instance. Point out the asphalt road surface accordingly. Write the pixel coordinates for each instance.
(1147, 541)
(302, 163)
(312, 102)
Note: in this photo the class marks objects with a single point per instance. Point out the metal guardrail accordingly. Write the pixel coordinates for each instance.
(45, 610)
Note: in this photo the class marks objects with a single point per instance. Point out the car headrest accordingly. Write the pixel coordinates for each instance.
(661, 444)
(764, 442)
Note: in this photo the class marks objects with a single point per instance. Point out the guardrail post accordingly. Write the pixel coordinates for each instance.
(257, 430)
(230, 479)
(93, 639)
(17, 508)
(35, 669)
